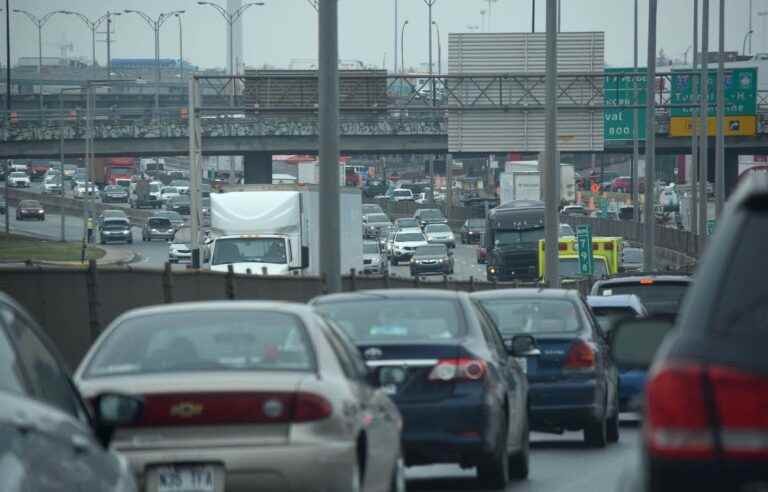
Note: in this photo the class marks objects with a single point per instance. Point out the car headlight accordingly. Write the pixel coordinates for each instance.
(153, 230)
(413, 260)
(492, 269)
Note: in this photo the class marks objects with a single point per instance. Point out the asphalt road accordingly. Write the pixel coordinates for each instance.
(558, 464)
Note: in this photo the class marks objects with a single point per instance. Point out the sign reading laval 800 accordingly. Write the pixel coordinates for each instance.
(621, 88)
(740, 102)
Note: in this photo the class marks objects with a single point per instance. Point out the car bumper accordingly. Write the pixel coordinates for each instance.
(450, 243)
(116, 238)
(158, 235)
(28, 215)
(283, 468)
(631, 386)
(180, 256)
(115, 199)
(564, 404)
(708, 475)
(402, 255)
(458, 430)
(437, 268)
(374, 269)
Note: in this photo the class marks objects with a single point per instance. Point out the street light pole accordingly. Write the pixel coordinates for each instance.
(649, 236)
(155, 25)
(552, 166)
(694, 214)
(704, 124)
(635, 133)
(720, 137)
(397, 22)
(402, 46)
(328, 57)
(533, 16)
(92, 26)
(430, 3)
(439, 49)
(181, 49)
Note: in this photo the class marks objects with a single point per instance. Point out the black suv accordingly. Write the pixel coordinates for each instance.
(661, 294)
(706, 400)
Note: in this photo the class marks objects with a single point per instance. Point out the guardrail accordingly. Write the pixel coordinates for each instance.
(75, 304)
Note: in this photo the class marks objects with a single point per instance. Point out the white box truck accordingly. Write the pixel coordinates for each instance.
(522, 181)
(277, 227)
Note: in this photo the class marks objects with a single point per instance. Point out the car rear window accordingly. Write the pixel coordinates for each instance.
(157, 222)
(228, 340)
(607, 316)
(659, 297)
(409, 237)
(396, 320)
(530, 315)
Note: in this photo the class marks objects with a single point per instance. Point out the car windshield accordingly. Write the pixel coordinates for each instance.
(112, 224)
(516, 238)
(407, 223)
(396, 320)
(437, 228)
(183, 236)
(111, 188)
(372, 218)
(170, 189)
(30, 204)
(608, 316)
(173, 216)
(515, 315)
(221, 340)
(159, 223)
(409, 237)
(569, 268)
(371, 209)
(154, 188)
(430, 214)
(370, 248)
(178, 182)
(245, 250)
(401, 192)
(113, 213)
(431, 250)
(632, 255)
(476, 223)
(566, 230)
(18, 175)
(657, 297)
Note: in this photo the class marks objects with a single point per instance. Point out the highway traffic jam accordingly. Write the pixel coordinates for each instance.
(355, 391)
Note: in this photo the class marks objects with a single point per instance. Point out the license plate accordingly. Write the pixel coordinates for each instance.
(186, 479)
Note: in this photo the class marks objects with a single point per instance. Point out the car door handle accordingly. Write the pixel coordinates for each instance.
(80, 444)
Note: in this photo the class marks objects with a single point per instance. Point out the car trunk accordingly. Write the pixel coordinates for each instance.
(206, 410)
(548, 366)
(403, 369)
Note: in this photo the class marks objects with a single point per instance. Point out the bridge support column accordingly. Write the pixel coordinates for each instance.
(257, 168)
(731, 169)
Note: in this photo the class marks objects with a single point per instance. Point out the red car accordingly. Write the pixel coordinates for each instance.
(481, 254)
(622, 184)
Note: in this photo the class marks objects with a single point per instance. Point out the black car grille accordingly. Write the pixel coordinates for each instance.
(367, 262)
(519, 263)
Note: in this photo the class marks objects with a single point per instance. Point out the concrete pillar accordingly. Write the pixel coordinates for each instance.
(257, 168)
(731, 171)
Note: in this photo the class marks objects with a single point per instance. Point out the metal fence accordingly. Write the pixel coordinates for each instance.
(75, 304)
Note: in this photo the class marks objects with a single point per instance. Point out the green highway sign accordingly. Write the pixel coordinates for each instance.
(740, 92)
(619, 90)
(584, 249)
(710, 227)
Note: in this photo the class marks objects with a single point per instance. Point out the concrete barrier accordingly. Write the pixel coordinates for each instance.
(75, 304)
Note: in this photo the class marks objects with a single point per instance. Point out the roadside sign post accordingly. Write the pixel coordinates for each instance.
(710, 227)
(584, 249)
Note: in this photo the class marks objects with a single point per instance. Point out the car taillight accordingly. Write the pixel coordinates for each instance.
(179, 409)
(448, 370)
(581, 357)
(691, 408)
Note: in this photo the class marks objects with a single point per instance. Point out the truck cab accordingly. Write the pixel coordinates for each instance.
(279, 254)
(512, 235)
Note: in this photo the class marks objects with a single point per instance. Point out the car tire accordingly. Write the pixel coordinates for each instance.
(519, 463)
(397, 483)
(596, 433)
(130, 241)
(393, 261)
(613, 427)
(493, 470)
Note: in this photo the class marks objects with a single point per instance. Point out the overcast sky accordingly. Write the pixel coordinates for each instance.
(286, 30)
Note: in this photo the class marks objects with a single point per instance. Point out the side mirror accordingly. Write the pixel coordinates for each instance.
(113, 410)
(634, 342)
(304, 257)
(522, 346)
(450, 252)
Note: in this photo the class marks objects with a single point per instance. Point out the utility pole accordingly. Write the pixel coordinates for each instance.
(704, 125)
(397, 24)
(720, 138)
(109, 46)
(635, 133)
(649, 236)
(194, 168)
(750, 31)
(533, 16)
(330, 241)
(694, 208)
(552, 166)
(8, 105)
(439, 49)
(430, 3)
(181, 49)
(402, 47)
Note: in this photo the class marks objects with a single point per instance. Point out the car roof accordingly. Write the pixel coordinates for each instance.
(391, 294)
(512, 293)
(636, 277)
(218, 306)
(625, 300)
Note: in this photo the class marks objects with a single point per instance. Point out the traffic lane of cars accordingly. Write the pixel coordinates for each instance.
(559, 463)
(465, 265)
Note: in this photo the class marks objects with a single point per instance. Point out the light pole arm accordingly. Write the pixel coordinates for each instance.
(86, 20)
(167, 15)
(150, 22)
(32, 17)
(237, 13)
(221, 9)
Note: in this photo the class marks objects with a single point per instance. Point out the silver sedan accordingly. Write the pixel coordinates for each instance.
(245, 396)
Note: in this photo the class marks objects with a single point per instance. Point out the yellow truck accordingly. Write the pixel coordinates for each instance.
(606, 253)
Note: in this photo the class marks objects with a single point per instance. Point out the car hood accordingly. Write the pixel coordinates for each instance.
(378, 224)
(429, 258)
(254, 267)
(371, 257)
(440, 234)
(411, 244)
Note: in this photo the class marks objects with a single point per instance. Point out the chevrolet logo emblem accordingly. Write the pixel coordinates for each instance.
(186, 410)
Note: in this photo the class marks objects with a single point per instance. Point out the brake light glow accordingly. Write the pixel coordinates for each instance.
(581, 357)
(646, 281)
(681, 426)
(563, 247)
(458, 369)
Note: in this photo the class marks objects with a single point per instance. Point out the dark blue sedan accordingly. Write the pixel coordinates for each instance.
(461, 391)
(574, 382)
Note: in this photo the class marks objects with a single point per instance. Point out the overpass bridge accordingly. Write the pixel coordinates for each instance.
(380, 114)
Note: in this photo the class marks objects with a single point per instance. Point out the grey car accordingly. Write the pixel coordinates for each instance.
(50, 442)
(158, 228)
(374, 258)
(116, 230)
(374, 223)
(435, 259)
